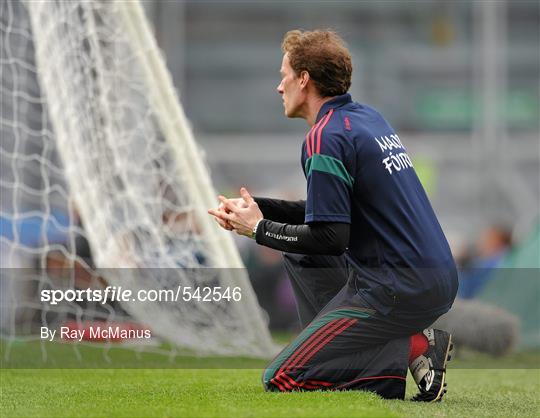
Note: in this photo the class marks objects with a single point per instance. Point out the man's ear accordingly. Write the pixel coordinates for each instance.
(304, 78)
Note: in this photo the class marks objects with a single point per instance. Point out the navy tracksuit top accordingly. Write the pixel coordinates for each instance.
(359, 172)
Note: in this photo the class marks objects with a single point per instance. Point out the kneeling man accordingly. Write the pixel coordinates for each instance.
(368, 260)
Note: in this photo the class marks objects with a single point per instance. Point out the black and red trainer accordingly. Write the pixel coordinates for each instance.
(429, 369)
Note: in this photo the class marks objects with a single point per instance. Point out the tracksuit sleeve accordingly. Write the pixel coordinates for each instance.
(286, 211)
(330, 180)
(318, 238)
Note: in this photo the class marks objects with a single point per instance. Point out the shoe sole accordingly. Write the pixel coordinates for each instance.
(447, 358)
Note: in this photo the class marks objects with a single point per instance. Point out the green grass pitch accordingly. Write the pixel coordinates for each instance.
(197, 387)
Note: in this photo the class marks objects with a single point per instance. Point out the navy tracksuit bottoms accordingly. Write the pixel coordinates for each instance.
(345, 343)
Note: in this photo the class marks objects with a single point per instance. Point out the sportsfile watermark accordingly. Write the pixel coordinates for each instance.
(112, 330)
(212, 318)
(121, 294)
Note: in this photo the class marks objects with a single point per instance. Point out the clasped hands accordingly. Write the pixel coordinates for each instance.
(239, 214)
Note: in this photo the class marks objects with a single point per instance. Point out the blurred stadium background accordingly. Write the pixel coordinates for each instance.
(459, 81)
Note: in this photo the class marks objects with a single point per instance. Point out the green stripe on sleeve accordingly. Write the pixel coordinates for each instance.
(330, 165)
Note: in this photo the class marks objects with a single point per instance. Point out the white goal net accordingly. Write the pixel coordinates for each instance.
(102, 183)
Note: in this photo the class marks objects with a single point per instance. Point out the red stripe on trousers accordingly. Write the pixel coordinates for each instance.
(379, 377)
(325, 341)
(307, 352)
(306, 384)
(319, 133)
(370, 378)
(320, 335)
(280, 387)
(342, 325)
(320, 382)
(316, 342)
(279, 379)
(283, 376)
(307, 343)
(317, 384)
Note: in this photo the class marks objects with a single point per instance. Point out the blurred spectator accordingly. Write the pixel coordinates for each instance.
(477, 268)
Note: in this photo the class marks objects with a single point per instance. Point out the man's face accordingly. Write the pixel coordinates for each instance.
(290, 89)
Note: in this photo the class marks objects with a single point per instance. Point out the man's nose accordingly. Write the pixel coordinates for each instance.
(279, 88)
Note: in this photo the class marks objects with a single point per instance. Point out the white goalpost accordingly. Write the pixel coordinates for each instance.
(96, 148)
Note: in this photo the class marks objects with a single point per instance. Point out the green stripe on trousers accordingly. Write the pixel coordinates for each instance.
(304, 336)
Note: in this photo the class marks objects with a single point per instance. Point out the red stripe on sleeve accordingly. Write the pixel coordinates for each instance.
(310, 138)
(319, 133)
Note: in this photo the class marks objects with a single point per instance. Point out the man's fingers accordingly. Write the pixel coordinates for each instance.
(246, 196)
(224, 224)
(223, 207)
(221, 215)
(229, 205)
